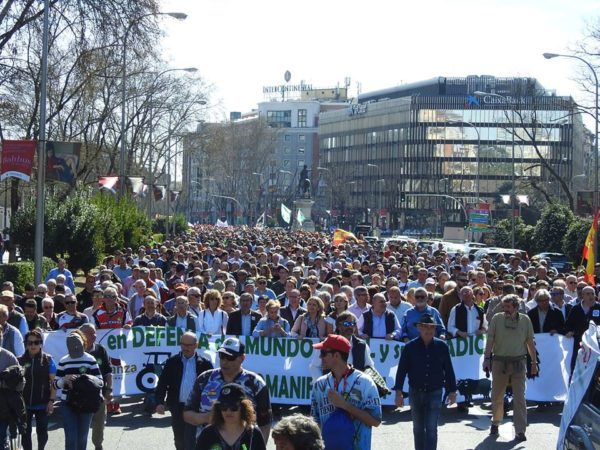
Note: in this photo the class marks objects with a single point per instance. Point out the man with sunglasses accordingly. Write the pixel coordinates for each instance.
(345, 396)
(70, 317)
(413, 317)
(204, 393)
(176, 382)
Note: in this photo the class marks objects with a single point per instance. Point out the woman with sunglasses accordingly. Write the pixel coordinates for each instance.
(232, 423)
(39, 393)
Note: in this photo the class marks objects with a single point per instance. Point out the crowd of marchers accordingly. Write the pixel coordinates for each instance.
(242, 281)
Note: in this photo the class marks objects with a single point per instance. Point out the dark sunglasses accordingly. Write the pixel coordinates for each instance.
(34, 342)
(420, 296)
(324, 353)
(70, 302)
(233, 407)
(227, 357)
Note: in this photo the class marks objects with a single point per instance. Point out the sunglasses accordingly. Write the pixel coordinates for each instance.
(420, 296)
(34, 342)
(233, 407)
(324, 353)
(70, 302)
(227, 357)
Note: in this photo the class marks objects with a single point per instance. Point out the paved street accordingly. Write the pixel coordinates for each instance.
(133, 428)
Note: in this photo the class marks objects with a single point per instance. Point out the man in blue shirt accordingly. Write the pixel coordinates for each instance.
(426, 361)
(61, 269)
(413, 316)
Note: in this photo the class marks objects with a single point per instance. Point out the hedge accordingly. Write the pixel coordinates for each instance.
(23, 272)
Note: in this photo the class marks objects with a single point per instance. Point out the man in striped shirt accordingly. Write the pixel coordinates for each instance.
(76, 363)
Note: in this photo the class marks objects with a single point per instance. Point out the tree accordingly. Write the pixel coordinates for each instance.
(575, 237)
(552, 228)
(503, 231)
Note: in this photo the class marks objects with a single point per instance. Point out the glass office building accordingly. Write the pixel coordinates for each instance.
(385, 158)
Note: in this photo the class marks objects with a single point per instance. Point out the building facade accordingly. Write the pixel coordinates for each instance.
(418, 155)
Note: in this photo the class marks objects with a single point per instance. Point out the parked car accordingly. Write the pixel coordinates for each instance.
(557, 260)
(472, 247)
(493, 252)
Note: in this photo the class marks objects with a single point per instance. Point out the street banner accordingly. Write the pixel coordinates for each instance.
(260, 222)
(340, 236)
(589, 253)
(108, 183)
(17, 159)
(221, 223)
(286, 213)
(587, 359)
(62, 161)
(136, 186)
(159, 192)
(288, 365)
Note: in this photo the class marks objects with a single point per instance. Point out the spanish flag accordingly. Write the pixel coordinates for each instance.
(340, 236)
(589, 252)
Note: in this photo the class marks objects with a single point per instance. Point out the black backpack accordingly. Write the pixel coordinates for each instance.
(85, 396)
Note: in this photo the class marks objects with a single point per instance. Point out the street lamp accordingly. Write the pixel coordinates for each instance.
(151, 170)
(513, 195)
(232, 199)
(557, 55)
(175, 15)
(41, 180)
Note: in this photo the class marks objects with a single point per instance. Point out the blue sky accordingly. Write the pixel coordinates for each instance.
(240, 45)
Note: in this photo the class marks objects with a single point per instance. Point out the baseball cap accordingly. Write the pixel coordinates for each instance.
(429, 281)
(7, 294)
(181, 286)
(232, 347)
(231, 393)
(334, 342)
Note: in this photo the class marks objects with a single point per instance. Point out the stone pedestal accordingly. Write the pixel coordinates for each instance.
(305, 205)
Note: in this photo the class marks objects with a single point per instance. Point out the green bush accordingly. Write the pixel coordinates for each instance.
(552, 228)
(575, 237)
(23, 272)
(178, 220)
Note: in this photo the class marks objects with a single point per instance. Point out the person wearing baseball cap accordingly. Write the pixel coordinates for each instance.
(207, 387)
(426, 362)
(344, 399)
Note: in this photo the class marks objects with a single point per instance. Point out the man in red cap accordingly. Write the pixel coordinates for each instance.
(345, 402)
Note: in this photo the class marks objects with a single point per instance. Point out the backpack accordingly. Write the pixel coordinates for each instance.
(338, 431)
(85, 396)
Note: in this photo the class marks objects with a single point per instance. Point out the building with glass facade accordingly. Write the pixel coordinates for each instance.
(387, 158)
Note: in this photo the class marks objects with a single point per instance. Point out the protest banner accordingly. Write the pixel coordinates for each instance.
(288, 365)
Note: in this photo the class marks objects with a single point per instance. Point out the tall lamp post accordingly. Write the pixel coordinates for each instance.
(557, 55)
(513, 194)
(151, 170)
(41, 180)
(372, 166)
(233, 199)
(176, 15)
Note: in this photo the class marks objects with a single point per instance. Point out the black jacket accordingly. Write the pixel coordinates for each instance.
(191, 322)
(554, 320)
(578, 321)
(170, 379)
(286, 313)
(234, 324)
(37, 378)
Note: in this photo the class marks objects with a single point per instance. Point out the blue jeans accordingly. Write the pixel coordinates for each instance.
(77, 427)
(41, 429)
(425, 410)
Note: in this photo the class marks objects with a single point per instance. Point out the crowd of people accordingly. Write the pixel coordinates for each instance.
(242, 281)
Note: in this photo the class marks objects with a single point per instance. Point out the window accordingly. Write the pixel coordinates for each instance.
(301, 138)
(286, 164)
(301, 150)
(286, 150)
(286, 138)
(302, 118)
(279, 119)
(300, 163)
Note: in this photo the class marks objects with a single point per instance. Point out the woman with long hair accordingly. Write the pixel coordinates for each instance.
(340, 304)
(39, 393)
(312, 323)
(232, 423)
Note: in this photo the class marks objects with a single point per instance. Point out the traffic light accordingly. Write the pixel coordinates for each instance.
(402, 197)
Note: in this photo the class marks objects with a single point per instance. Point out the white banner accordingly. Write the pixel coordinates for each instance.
(137, 356)
(587, 358)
